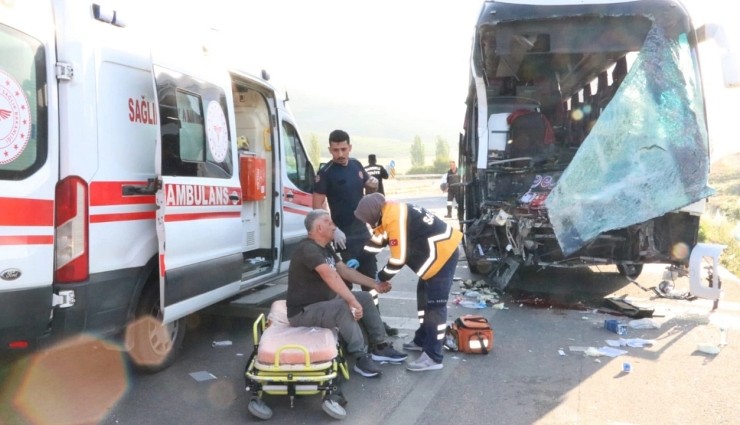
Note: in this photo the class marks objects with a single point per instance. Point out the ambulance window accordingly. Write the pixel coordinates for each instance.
(192, 135)
(195, 131)
(299, 169)
(23, 105)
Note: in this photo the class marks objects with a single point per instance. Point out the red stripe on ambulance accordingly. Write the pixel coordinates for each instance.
(108, 218)
(27, 240)
(201, 216)
(26, 212)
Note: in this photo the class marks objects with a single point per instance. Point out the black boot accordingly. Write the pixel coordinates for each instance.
(389, 330)
(449, 212)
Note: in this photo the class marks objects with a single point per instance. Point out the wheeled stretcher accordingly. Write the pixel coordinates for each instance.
(294, 361)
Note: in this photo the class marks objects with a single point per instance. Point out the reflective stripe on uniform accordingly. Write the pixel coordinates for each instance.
(441, 329)
(374, 293)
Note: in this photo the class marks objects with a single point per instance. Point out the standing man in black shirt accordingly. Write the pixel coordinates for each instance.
(376, 170)
(454, 191)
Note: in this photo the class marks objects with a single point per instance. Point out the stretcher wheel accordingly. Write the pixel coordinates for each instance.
(333, 409)
(259, 409)
(338, 397)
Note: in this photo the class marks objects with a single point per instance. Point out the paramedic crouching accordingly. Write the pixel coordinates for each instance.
(317, 296)
(428, 245)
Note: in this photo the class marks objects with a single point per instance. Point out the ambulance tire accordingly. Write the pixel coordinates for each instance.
(153, 346)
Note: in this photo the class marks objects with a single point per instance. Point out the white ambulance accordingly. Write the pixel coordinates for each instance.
(135, 181)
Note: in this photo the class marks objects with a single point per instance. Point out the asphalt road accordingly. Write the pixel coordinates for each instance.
(535, 373)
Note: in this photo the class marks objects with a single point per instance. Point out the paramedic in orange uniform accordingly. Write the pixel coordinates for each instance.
(429, 246)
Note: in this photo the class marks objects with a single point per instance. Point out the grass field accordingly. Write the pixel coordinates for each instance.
(722, 224)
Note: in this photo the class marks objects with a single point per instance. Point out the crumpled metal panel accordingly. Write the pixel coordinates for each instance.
(647, 154)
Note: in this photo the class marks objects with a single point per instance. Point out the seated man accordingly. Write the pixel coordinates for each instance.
(317, 296)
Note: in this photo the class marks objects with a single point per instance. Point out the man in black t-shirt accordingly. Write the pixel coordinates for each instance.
(317, 296)
(454, 191)
(378, 171)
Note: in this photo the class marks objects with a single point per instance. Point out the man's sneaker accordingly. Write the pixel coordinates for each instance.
(389, 330)
(411, 346)
(424, 362)
(366, 366)
(386, 353)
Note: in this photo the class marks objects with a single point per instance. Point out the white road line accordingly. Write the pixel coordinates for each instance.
(398, 295)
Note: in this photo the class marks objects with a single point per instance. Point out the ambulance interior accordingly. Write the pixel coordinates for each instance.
(256, 165)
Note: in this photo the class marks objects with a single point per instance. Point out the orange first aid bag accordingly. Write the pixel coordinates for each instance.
(472, 333)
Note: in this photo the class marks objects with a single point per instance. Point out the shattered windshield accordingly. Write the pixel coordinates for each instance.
(647, 154)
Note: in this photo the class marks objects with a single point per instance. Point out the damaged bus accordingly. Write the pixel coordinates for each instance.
(585, 139)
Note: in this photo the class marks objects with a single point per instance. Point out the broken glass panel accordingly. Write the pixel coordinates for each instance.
(647, 155)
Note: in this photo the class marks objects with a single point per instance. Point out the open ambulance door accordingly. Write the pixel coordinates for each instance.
(298, 179)
(199, 196)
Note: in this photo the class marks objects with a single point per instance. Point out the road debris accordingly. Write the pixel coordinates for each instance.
(630, 342)
(645, 323)
(202, 375)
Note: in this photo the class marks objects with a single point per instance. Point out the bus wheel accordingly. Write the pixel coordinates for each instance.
(153, 346)
(631, 271)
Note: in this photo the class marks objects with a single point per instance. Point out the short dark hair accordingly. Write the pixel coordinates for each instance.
(371, 159)
(338, 136)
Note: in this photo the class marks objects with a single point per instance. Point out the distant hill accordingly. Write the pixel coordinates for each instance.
(387, 131)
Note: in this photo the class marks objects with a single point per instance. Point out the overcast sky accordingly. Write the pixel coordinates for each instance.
(408, 54)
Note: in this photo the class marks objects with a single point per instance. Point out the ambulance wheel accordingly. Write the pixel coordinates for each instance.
(152, 346)
(631, 271)
(333, 409)
(259, 409)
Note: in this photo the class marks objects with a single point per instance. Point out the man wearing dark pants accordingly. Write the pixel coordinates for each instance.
(454, 191)
(378, 171)
(429, 246)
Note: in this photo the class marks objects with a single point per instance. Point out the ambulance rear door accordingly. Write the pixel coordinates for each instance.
(29, 170)
(198, 196)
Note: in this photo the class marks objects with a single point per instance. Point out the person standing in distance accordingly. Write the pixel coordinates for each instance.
(454, 191)
(340, 184)
(376, 170)
(429, 246)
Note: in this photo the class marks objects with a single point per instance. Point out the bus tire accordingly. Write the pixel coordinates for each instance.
(631, 271)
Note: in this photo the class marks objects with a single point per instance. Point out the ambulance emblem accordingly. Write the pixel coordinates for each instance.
(15, 119)
(217, 131)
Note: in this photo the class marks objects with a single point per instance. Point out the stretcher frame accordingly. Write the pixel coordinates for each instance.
(294, 379)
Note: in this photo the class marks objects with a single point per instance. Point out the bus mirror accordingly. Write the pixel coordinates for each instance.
(724, 39)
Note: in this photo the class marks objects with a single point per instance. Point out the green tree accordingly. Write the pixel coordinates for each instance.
(442, 156)
(417, 153)
(314, 151)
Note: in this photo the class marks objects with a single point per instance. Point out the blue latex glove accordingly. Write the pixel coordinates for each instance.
(353, 264)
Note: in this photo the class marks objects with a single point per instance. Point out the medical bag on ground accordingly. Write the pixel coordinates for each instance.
(470, 333)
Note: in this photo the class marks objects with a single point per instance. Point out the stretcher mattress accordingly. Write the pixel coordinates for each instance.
(321, 343)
